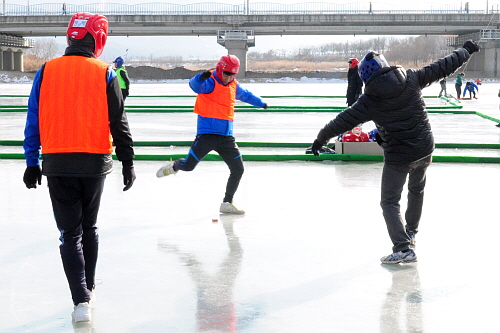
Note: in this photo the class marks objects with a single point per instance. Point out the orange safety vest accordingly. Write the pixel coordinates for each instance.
(219, 103)
(73, 110)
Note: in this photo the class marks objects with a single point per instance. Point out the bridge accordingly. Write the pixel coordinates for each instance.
(236, 26)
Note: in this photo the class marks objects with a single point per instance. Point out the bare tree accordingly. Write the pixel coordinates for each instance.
(45, 49)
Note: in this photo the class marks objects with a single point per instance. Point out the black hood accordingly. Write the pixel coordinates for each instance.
(386, 83)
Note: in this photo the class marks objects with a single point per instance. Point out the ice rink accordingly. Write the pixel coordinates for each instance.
(304, 258)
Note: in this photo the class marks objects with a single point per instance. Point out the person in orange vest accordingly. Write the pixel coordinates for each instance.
(72, 115)
(217, 92)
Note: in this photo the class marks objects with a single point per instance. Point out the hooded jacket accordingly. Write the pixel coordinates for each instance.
(393, 100)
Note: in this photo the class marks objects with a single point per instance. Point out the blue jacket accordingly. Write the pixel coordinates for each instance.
(219, 126)
(470, 87)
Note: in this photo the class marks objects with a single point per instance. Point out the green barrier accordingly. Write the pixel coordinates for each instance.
(19, 143)
(466, 159)
(487, 117)
(293, 157)
(451, 101)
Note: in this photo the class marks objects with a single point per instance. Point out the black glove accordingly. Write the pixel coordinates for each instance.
(128, 174)
(471, 46)
(32, 175)
(316, 147)
(205, 75)
(265, 106)
(125, 93)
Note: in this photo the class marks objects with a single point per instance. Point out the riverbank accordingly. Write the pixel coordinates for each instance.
(155, 74)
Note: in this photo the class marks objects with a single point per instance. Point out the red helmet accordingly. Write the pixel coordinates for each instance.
(97, 25)
(229, 63)
(353, 62)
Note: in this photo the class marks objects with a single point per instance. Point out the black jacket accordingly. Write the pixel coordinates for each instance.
(94, 165)
(393, 100)
(354, 85)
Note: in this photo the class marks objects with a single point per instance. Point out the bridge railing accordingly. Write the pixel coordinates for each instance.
(257, 8)
(16, 41)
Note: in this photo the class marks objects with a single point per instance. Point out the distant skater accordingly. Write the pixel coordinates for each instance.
(354, 82)
(64, 8)
(470, 86)
(121, 73)
(217, 92)
(393, 100)
(443, 88)
(458, 84)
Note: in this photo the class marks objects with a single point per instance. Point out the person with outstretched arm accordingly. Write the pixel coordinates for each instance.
(217, 92)
(393, 100)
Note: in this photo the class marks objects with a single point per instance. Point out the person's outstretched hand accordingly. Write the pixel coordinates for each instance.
(128, 174)
(471, 46)
(316, 146)
(32, 176)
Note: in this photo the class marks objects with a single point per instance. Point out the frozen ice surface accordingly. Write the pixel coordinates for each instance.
(304, 258)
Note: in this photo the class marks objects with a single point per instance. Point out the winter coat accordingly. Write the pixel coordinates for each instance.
(393, 100)
(354, 85)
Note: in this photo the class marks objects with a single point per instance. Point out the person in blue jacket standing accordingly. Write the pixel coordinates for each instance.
(217, 92)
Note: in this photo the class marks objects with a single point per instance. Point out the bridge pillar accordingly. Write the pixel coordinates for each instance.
(237, 43)
(11, 60)
(239, 49)
(7, 59)
(18, 60)
(488, 60)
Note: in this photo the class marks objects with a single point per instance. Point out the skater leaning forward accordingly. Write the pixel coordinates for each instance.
(217, 92)
(393, 100)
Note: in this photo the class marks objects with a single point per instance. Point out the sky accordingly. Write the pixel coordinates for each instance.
(206, 48)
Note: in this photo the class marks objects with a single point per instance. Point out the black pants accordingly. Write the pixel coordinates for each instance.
(76, 202)
(393, 180)
(227, 148)
(458, 88)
